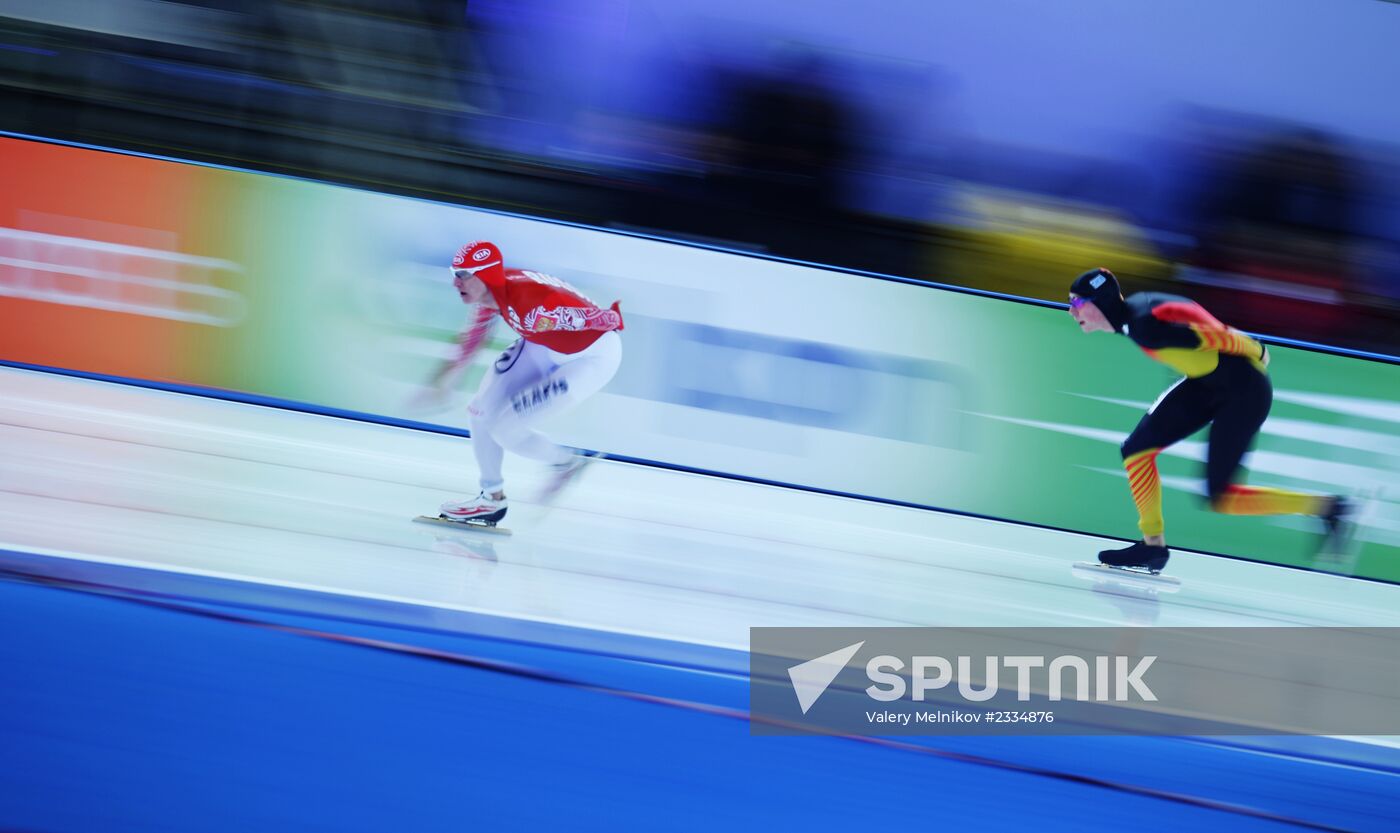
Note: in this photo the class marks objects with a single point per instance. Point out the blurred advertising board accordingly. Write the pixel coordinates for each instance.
(341, 298)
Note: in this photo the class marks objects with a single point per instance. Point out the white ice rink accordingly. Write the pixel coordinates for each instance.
(120, 474)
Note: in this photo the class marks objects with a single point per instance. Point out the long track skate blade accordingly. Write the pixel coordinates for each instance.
(1127, 575)
(469, 526)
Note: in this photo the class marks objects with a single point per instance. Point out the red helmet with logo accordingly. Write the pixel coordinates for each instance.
(479, 258)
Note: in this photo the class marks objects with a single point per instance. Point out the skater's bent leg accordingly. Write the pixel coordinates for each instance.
(511, 421)
(1184, 409)
(511, 369)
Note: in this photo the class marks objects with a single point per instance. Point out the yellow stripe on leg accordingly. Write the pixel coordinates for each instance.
(1146, 488)
(1262, 500)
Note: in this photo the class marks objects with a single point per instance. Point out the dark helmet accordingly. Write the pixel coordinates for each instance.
(1101, 287)
(1096, 285)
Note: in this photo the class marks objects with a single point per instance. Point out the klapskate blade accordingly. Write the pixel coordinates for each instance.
(463, 525)
(1140, 578)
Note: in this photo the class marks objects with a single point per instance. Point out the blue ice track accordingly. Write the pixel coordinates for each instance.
(174, 712)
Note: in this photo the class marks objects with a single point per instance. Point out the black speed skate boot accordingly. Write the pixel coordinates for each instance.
(1140, 556)
(1338, 527)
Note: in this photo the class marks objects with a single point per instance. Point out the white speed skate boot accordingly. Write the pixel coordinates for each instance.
(481, 510)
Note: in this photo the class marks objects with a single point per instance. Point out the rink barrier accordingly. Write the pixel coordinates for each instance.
(434, 428)
(660, 238)
(760, 368)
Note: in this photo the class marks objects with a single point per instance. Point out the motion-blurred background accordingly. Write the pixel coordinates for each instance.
(1244, 153)
(215, 614)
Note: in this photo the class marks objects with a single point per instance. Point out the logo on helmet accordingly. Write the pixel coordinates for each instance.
(476, 251)
(1097, 282)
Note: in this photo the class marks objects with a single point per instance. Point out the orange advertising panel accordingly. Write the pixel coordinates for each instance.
(105, 261)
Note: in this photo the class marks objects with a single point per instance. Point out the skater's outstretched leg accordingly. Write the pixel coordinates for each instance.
(564, 463)
(1236, 499)
(1231, 436)
(520, 439)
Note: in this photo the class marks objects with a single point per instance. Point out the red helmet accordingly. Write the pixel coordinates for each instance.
(478, 258)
